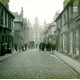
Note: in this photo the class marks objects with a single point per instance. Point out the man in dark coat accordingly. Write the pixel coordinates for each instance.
(9, 48)
(15, 45)
(53, 46)
(48, 46)
(42, 46)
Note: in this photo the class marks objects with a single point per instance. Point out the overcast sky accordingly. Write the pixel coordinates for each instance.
(44, 9)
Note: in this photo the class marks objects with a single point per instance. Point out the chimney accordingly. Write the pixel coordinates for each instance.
(21, 14)
(22, 11)
(5, 3)
(65, 3)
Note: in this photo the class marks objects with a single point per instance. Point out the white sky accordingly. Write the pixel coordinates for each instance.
(43, 9)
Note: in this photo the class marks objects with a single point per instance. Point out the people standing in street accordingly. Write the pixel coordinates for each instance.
(3, 48)
(53, 46)
(9, 48)
(15, 45)
(19, 47)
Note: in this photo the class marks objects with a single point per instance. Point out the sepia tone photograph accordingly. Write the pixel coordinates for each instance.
(39, 39)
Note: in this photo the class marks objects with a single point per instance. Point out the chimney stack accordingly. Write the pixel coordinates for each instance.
(65, 3)
(5, 3)
(21, 14)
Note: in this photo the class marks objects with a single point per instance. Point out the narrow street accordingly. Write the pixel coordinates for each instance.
(34, 64)
(50, 25)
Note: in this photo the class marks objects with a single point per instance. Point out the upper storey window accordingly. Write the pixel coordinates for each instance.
(75, 9)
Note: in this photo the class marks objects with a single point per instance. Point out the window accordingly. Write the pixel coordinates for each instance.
(2, 17)
(61, 42)
(2, 39)
(5, 19)
(70, 12)
(12, 24)
(71, 42)
(8, 21)
(75, 9)
(65, 42)
(59, 23)
(6, 38)
(65, 20)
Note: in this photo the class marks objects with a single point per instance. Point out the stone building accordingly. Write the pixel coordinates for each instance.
(20, 29)
(6, 25)
(49, 30)
(35, 33)
(26, 33)
(68, 30)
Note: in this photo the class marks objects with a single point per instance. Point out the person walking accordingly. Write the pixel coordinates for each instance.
(9, 48)
(15, 45)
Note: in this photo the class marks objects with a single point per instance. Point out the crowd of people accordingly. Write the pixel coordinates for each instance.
(48, 46)
(20, 47)
(6, 48)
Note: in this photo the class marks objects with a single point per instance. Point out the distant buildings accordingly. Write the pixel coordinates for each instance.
(26, 32)
(35, 33)
(49, 31)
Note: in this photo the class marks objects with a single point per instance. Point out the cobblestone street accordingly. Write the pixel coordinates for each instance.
(34, 64)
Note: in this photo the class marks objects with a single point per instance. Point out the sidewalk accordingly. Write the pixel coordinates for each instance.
(69, 61)
(4, 57)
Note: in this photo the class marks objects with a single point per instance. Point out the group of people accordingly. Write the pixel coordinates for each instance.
(48, 46)
(5, 48)
(20, 47)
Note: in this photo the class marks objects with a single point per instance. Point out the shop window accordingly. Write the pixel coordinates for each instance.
(65, 43)
(77, 41)
(61, 43)
(71, 42)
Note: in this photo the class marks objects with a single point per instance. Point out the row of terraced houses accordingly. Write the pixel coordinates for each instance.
(68, 29)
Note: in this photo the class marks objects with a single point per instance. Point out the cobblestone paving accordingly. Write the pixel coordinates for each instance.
(35, 65)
